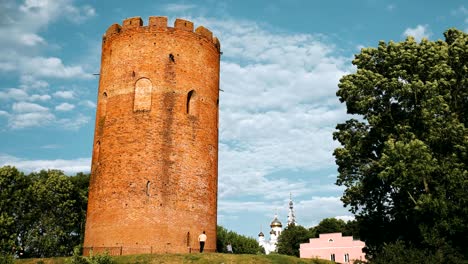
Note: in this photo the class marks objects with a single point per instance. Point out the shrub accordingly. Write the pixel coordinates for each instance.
(6, 259)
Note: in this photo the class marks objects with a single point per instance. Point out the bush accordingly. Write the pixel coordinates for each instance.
(93, 259)
(6, 259)
(240, 244)
(401, 252)
(101, 259)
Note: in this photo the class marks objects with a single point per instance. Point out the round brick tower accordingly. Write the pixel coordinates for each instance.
(154, 171)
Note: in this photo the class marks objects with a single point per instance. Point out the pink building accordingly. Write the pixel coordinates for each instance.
(333, 247)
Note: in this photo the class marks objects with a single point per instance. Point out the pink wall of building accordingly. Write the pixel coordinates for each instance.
(327, 246)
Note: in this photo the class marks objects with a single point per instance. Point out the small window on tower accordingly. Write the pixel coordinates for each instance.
(96, 150)
(191, 103)
(142, 99)
(103, 104)
(148, 188)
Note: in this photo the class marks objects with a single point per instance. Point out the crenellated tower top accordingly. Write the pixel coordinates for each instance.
(159, 23)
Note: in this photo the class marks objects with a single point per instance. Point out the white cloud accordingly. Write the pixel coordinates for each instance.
(64, 107)
(73, 123)
(88, 103)
(51, 146)
(21, 95)
(13, 93)
(48, 67)
(345, 218)
(68, 166)
(419, 32)
(4, 113)
(52, 67)
(23, 24)
(30, 39)
(178, 7)
(30, 82)
(24, 107)
(391, 7)
(462, 10)
(312, 211)
(278, 109)
(39, 97)
(30, 119)
(43, 12)
(64, 94)
(309, 212)
(80, 14)
(27, 114)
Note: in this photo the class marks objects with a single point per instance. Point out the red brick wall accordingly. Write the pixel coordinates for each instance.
(154, 169)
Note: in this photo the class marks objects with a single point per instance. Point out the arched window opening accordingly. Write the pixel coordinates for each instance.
(103, 103)
(217, 113)
(148, 188)
(191, 102)
(188, 239)
(142, 100)
(96, 151)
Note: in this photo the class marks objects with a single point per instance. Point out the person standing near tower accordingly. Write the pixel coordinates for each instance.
(202, 239)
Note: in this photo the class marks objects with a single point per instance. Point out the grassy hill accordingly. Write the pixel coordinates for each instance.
(205, 258)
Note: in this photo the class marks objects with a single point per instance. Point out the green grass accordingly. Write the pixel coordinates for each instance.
(205, 258)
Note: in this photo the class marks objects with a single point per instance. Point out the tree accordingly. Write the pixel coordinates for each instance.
(333, 225)
(14, 205)
(240, 244)
(80, 194)
(42, 212)
(404, 162)
(54, 231)
(290, 239)
(330, 225)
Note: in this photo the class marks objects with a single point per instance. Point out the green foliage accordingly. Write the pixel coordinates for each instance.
(101, 259)
(14, 207)
(333, 225)
(6, 259)
(43, 212)
(93, 259)
(290, 239)
(330, 225)
(401, 252)
(404, 163)
(240, 244)
(77, 258)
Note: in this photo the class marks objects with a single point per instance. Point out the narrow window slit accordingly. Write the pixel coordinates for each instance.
(189, 102)
(148, 188)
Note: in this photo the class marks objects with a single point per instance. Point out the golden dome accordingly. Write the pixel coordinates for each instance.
(276, 223)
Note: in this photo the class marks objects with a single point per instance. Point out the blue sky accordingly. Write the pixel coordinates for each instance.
(281, 63)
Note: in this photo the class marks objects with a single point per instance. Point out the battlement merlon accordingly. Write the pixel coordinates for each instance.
(160, 23)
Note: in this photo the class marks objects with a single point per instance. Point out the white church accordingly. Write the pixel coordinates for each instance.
(276, 229)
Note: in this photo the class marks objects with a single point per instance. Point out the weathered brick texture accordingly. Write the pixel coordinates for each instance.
(154, 170)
